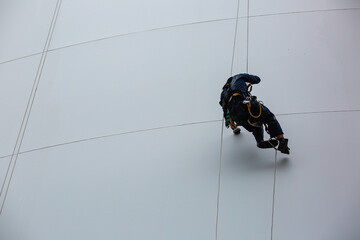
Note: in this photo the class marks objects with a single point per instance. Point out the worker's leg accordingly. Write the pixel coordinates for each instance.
(275, 129)
(268, 118)
(258, 132)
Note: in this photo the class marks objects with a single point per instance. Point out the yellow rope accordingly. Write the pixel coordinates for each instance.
(233, 125)
(249, 106)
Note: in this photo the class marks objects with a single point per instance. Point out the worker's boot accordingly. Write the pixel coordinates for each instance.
(271, 143)
(236, 131)
(283, 145)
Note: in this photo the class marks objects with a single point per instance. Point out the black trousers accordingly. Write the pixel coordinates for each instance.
(240, 114)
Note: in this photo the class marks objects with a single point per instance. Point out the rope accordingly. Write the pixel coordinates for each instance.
(233, 125)
(273, 198)
(247, 36)
(222, 131)
(272, 145)
(249, 106)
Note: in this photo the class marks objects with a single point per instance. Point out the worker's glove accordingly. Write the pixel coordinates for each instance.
(227, 120)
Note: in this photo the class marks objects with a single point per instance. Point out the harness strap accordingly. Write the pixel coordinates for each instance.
(234, 95)
(249, 106)
(233, 125)
(249, 87)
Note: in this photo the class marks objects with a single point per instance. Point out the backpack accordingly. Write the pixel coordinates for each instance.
(228, 94)
(239, 92)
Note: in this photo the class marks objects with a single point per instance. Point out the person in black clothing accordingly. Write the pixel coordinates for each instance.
(242, 109)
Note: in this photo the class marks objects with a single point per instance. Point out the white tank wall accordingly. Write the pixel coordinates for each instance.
(123, 137)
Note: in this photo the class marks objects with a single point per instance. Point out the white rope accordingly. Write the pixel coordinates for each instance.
(273, 201)
(247, 37)
(222, 130)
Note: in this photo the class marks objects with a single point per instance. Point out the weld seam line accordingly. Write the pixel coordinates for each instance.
(180, 25)
(158, 128)
(114, 135)
(318, 112)
(37, 81)
(305, 11)
(19, 58)
(120, 35)
(194, 23)
(139, 32)
(27, 107)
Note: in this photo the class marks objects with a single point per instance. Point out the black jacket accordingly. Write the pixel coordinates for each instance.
(236, 84)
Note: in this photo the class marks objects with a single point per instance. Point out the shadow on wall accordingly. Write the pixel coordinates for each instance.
(240, 152)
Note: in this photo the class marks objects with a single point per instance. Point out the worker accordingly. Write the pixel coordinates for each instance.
(242, 109)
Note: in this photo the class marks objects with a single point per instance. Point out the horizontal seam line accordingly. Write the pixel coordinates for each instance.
(305, 11)
(179, 25)
(121, 35)
(317, 112)
(19, 58)
(187, 24)
(158, 128)
(142, 31)
(114, 135)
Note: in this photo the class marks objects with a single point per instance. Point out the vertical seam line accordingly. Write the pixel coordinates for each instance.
(30, 104)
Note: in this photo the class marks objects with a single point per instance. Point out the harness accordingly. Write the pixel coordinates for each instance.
(249, 106)
(247, 100)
